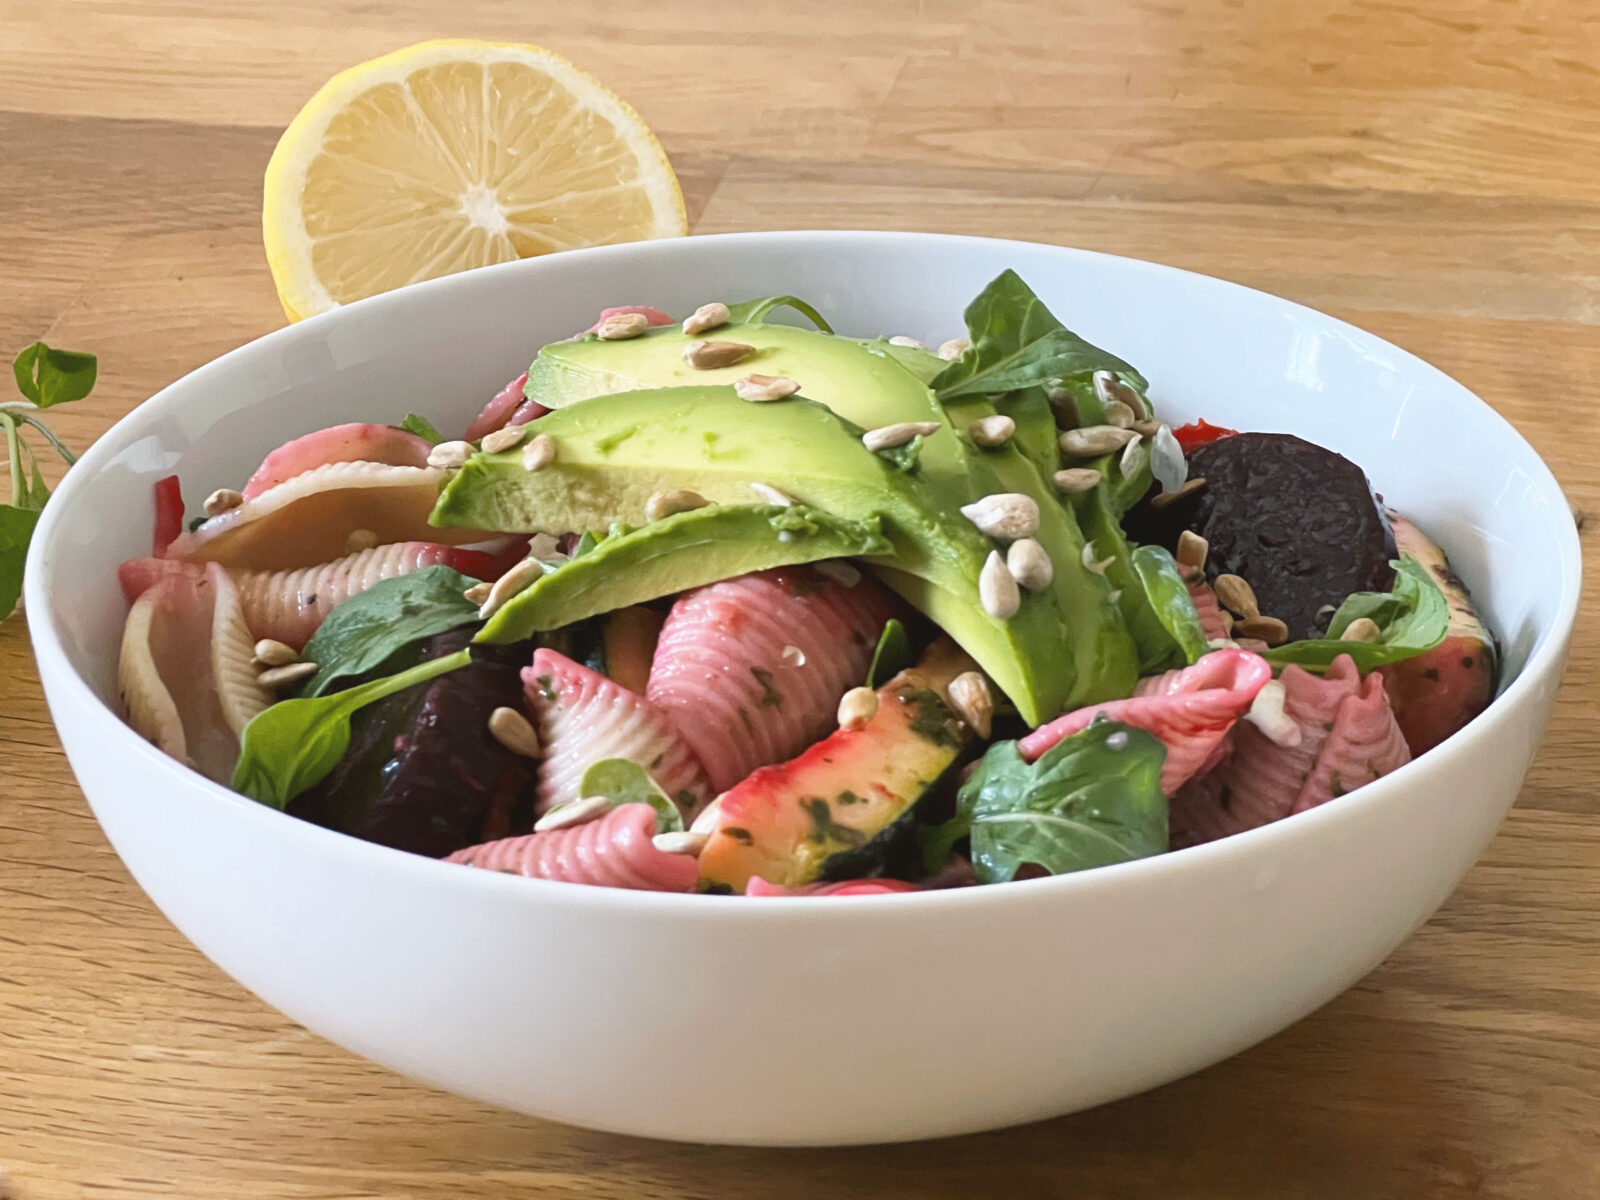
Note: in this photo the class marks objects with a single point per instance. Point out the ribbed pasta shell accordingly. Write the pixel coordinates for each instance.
(239, 692)
(168, 679)
(309, 518)
(146, 703)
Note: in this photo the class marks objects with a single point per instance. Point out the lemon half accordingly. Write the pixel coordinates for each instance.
(455, 154)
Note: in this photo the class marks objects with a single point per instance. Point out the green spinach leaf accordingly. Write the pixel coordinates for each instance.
(1017, 343)
(756, 312)
(295, 743)
(1092, 799)
(892, 656)
(45, 376)
(1169, 600)
(422, 427)
(48, 376)
(362, 633)
(16, 531)
(1413, 618)
(623, 781)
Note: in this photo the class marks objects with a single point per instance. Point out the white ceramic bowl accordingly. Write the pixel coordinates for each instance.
(808, 1022)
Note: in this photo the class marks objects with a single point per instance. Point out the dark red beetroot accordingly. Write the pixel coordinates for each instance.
(423, 772)
(1298, 522)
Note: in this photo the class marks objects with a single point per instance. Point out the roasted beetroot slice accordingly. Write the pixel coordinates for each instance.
(423, 773)
(1298, 522)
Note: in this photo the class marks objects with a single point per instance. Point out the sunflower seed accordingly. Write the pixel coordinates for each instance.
(1167, 463)
(1192, 550)
(1109, 387)
(1095, 440)
(622, 326)
(1146, 428)
(857, 707)
(222, 500)
(1004, 515)
(909, 342)
(478, 593)
(760, 389)
(1267, 629)
(708, 356)
(887, 437)
(272, 653)
(1266, 714)
(705, 820)
(681, 843)
(1133, 459)
(277, 677)
(839, 571)
(991, 431)
(665, 504)
(707, 316)
(1030, 564)
(1076, 479)
(518, 579)
(503, 439)
(973, 702)
(1362, 629)
(1119, 414)
(1189, 488)
(773, 495)
(954, 348)
(573, 812)
(1236, 595)
(997, 588)
(450, 456)
(539, 453)
(358, 540)
(513, 731)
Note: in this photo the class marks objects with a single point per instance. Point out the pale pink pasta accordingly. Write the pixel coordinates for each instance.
(1191, 711)
(583, 717)
(338, 443)
(1347, 737)
(750, 670)
(498, 412)
(290, 605)
(615, 850)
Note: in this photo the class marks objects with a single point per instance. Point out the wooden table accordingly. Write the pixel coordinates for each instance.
(1429, 169)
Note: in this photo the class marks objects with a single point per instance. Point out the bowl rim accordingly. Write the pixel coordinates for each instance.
(53, 662)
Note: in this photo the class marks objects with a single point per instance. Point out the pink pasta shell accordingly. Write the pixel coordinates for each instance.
(583, 717)
(615, 850)
(339, 443)
(1348, 737)
(1191, 711)
(750, 670)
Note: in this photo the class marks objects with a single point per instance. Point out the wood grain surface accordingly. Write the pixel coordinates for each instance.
(1429, 169)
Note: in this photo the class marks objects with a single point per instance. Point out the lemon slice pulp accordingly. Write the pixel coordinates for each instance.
(455, 154)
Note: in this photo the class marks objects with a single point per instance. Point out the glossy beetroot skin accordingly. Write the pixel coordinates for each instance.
(422, 772)
(1299, 523)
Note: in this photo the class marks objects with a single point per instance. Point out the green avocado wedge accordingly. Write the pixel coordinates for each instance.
(1067, 645)
(689, 549)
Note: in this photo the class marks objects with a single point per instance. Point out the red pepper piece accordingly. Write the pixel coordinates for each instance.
(169, 514)
(1200, 433)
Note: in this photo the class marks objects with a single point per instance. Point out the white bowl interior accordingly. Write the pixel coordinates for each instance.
(1252, 932)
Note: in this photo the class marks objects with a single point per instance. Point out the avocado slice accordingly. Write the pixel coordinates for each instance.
(829, 811)
(1067, 644)
(682, 551)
